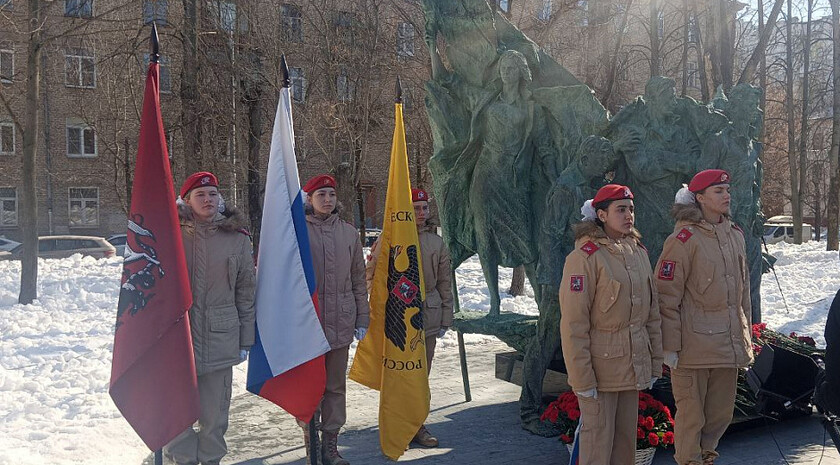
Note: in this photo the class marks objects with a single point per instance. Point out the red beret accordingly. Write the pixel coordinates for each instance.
(612, 192)
(200, 179)
(419, 195)
(708, 178)
(319, 182)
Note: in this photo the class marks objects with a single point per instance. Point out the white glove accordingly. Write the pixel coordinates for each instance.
(671, 359)
(442, 332)
(652, 380)
(360, 333)
(593, 393)
(243, 355)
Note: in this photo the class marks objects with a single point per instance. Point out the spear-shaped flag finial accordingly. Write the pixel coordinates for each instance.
(398, 97)
(284, 68)
(154, 45)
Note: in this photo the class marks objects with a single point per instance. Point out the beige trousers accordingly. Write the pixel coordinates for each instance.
(608, 428)
(705, 400)
(334, 403)
(207, 445)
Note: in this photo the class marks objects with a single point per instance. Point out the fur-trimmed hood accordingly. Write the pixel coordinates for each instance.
(593, 231)
(231, 220)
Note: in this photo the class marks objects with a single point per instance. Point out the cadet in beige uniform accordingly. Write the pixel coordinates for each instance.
(342, 300)
(704, 296)
(437, 278)
(223, 282)
(609, 326)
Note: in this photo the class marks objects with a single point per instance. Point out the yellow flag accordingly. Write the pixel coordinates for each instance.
(392, 358)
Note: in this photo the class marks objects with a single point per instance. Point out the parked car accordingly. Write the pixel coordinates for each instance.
(371, 235)
(65, 246)
(780, 228)
(8, 244)
(118, 241)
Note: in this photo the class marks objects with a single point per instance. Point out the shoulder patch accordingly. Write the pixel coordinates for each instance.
(684, 235)
(590, 248)
(666, 270)
(576, 283)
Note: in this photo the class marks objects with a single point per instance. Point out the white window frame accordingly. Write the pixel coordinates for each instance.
(692, 75)
(82, 209)
(405, 39)
(298, 84)
(82, 128)
(292, 25)
(6, 125)
(225, 16)
(78, 11)
(3, 200)
(504, 5)
(74, 66)
(10, 55)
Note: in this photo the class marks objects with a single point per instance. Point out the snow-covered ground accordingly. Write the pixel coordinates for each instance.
(55, 355)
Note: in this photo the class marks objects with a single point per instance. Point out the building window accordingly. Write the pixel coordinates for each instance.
(583, 12)
(544, 14)
(344, 87)
(81, 140)
(292, 23)
(691, 74)
(692, 30)
(155, 11)
(660, 24)
(344, 21)
(224, 16)
(298, 89)
(78, 8)
(84, 207)
(7, 138)
(405, 40)
(165, 75)
(7, 65)
(504, 5)
(79, 69)
(8, 206)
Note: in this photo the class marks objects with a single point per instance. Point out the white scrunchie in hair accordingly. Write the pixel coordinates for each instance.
(588, 211)
(684, 196)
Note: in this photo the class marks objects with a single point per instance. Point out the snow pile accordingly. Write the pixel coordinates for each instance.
(55, 355)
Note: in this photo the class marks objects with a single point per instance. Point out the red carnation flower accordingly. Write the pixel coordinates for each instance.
(566, 438)
(668, 438)
(653, 439)
(649, 423)
(640, 434)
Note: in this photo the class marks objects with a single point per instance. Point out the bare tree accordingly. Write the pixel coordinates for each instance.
(793, 165)
(833, 191)
(803, 129)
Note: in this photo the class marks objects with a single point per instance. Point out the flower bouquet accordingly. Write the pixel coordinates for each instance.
(655, 426)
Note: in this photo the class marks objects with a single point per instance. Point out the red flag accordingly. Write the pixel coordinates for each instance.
(153, 379)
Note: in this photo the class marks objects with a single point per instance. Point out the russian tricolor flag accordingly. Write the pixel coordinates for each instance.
(286, 364)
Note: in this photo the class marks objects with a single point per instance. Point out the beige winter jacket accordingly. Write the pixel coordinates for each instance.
(340, 275)
(704, 292)
(223, 282)
(437, 277)
(609, 325)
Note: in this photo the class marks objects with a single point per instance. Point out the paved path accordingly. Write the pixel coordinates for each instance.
(485, 431)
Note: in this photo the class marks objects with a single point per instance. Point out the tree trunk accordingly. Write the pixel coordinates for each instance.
(701, 58)
(614, 61)
(684, 59)
(833, 243)
(517, 282)
(345, 192)
(727, 47)
(795, 201)
(803, 130)
(29, 203)
(759, 54)
(255, 132)
(655, 64)
(189, 91)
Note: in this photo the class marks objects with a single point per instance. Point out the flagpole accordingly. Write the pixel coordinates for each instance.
(286, 81)
(154, 57)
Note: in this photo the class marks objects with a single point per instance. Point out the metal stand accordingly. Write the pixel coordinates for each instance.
(464, 373)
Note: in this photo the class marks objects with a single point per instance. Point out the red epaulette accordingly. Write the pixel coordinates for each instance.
(737, 228)
(590, 248)
(244, 231)
(684, 235)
